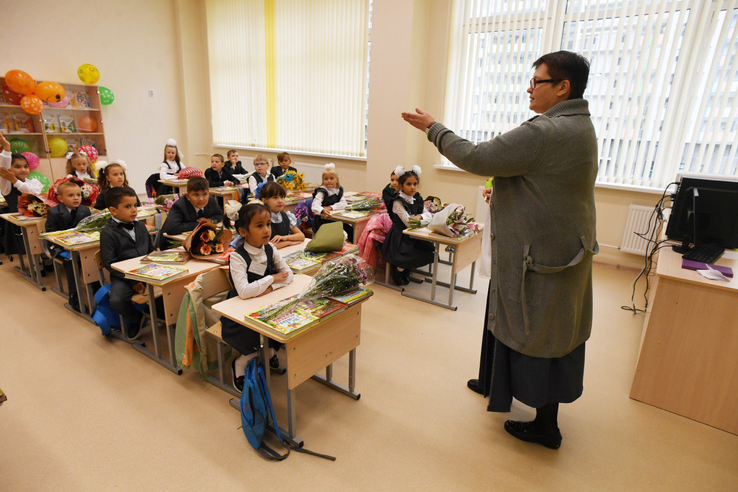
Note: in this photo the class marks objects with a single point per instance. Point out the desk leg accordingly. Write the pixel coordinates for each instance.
(328, 378)
(156, 355)
(294, 441)
(34, 271)
(471, 277)
(220, 382)
(291, 414)
(451, 290)
(329, 372)
(352, 371)
(59, 289)
(78, 282)
(434, 279)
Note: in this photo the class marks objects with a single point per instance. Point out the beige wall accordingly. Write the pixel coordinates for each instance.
(132, 43)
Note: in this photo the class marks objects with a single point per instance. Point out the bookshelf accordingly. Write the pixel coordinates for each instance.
(69, 123)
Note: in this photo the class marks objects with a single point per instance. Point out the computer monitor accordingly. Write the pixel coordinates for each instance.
(705, 211)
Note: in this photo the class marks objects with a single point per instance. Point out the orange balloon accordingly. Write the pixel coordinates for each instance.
(87, 124)
(20, 81)
(32, 104)
(50, 92)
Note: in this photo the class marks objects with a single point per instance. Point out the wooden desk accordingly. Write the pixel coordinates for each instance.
(688, 362)
(31, 227)
(172, 293)
(85, 272)
(357, 224)
(225, 192)
(179, 184)
(309, 351)
(464, 252)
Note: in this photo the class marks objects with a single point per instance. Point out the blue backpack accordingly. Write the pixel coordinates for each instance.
(257, 411)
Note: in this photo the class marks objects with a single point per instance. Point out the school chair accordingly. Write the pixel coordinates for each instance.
(57, 263)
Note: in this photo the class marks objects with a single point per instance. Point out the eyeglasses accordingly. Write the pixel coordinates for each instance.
(534, 82)
(260, 163)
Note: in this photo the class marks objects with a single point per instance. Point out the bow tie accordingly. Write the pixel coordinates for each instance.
(127, 225)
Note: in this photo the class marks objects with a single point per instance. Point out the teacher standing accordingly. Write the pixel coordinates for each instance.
(539, 313)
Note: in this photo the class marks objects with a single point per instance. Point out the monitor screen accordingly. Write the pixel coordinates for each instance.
(705, 211)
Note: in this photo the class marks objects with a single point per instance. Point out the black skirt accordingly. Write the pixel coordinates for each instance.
(12, 239)
(506, 374)
(403, 251)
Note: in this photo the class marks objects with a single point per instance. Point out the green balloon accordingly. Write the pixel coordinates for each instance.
(106, 96)
(18, 145)
(44, 180)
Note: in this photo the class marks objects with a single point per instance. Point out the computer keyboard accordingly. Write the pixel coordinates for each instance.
(707, 253)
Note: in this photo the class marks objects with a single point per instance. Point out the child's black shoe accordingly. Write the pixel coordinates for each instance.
(274, 362)
(237, 380)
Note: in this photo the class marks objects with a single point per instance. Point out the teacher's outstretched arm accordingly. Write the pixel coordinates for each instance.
(511, 154)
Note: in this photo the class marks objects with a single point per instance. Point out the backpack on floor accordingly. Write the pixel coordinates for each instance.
(257, 411)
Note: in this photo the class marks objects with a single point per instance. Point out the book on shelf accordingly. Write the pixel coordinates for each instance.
(156, 272)
(175, 257)
(351, 298)
(285, 324)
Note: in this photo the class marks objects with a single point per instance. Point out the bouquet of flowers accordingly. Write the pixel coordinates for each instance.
(453, 221)
(366, 204)
(95, 222)
(433, 204)
(165, 201)
(89, 191)
(334, 278)
(304, 214)
(416, 223)
(208, 242)
(33, 205)
(292, 181)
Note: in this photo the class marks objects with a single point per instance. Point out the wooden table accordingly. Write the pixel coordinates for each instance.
(31, 227)
(179, 184)
(172, 293)
(688, 362)
(307, 352)
(225, 192)
(464, 252)
(357, 224)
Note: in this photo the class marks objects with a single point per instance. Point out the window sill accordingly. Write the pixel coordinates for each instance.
(292, 152)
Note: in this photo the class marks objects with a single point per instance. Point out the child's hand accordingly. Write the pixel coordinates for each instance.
(8, 174)
(267, 291)
(277, 239)
(227, 183)
(139, 288)
(280, 277)
(4, 142)
(417, 217)
(203, 220)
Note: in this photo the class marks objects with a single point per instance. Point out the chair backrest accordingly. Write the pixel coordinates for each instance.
(100, 267)
(215, 282)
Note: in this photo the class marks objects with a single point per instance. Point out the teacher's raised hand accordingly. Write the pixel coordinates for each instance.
(420, 119)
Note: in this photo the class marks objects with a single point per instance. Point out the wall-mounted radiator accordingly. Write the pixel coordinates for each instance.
(639, 219)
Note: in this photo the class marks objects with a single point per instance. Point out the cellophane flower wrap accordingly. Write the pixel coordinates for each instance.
(292, 181)
(32, 205)
(208, 242)
(95, 222)
(89, 191)
(165, 202)
(433, 204)
(335, 277)
(366, 204)
(453, 221)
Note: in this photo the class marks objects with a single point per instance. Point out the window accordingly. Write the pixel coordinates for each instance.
(662, 86)
(289, 75)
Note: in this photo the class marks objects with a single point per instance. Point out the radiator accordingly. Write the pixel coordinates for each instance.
(639, 219)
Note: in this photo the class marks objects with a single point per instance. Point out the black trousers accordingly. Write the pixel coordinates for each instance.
(121, 293)
(71, 284)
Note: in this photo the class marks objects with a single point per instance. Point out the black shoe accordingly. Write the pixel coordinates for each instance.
(473, 384)
(74, 302)
(274, 362)
(237, 380)
(406, 276)
(397, 278)
(133, 329)
(526, 431)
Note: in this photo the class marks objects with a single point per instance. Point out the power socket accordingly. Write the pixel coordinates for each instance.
(151, 92)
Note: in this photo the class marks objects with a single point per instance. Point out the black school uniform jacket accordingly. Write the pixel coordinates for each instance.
(60, 218)
(100, 202)
(216, 179)
(277, 171)
(117, 245)
(238, 169)
(183, 217)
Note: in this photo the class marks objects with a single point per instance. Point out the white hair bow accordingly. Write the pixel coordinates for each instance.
(100, 165)
(171, 142)
(122, 164)
(400, 170)
(69, 155)
(232, 207)
(417, 170)
(330, 167)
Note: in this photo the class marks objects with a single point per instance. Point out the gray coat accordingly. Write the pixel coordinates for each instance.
(543, 226)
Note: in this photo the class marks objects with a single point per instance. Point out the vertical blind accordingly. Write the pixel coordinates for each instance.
(289, 75)
(662, 87)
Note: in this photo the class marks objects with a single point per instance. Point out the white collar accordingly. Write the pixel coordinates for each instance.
(252, 250)
(332, 191)
(276, 217)
(409, 199)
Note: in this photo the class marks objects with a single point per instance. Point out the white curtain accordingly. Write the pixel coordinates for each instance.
(662, 80)
(312, 70)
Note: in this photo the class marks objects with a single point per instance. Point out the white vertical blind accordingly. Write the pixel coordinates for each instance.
(320, 63)
(662, 87)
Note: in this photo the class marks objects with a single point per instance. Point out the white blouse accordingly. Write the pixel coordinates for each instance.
(400, 211)
(82, 175)
(317, 207)
(277, 219)
(253, 184)
(32, 186)
(239, 271)
(168, 169)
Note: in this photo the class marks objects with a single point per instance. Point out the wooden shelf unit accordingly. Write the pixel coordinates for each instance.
(55, 167)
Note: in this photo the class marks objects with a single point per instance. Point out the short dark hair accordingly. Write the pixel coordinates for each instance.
(18, 157)
(231, 152)
(271, 189)
(219, 156)
(246, 214)
(282, 156)
(401, 179)
(565, 65)
(197, 183)
(114, 196)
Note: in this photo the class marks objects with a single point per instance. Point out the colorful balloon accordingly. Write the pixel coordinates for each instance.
(88, 74)
(86, 124)
(58, 146)
(10, 95)
(44, 180)
(20, 81)
(61, 104)
(106, 96)
(32, 104)
(90, 151)
(18, 145)
(50, 92)
(32, 159)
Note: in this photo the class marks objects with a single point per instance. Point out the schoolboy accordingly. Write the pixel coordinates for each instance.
(217, 175)
(196, 206)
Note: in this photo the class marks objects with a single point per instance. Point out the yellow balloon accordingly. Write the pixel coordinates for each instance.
(88, 74)
(58, 146)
